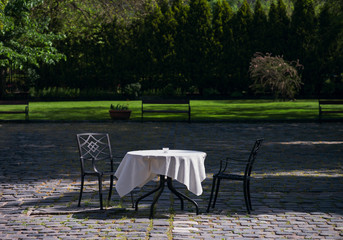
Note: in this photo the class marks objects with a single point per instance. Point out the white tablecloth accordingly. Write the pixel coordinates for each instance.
(139, 167)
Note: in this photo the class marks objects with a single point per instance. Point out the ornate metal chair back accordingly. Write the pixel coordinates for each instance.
(95, 147)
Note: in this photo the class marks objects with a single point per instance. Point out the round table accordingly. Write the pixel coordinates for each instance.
(139, 167)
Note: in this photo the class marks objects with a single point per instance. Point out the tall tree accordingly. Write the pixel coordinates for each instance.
(24, 41)
(303, 41)
(84, 23)
(283, 27)
(114, 61)
(278, 29)
(148, 44)
(243, 51)
(222, 47)
(167, 44)
(330, 49)
(272, 38)
(81, 22)
(180, 12)
(199, 39)
(259, 29)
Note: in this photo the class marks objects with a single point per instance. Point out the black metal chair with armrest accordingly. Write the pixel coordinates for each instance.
(96, 160)
(222, 174)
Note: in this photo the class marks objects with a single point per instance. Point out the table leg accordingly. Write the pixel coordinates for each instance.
(161, 188)
(162, 181)
(173, 190)
(180, 195)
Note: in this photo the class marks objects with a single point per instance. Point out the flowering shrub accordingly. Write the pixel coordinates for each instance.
(275, 75)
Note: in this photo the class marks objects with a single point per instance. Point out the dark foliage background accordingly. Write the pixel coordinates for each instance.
(199, 47)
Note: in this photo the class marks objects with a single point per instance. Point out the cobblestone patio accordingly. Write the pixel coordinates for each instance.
(297, 193)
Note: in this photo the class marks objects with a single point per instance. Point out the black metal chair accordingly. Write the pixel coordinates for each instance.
(96, 160)
(222, 174)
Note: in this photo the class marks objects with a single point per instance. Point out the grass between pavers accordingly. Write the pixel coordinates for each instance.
(201, 110)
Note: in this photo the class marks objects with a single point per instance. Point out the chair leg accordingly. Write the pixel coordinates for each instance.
(133, 202)
(100, 191)
(216, 195)
(81, 189)
(111, 187)
(248, 192)
(245, 189)
(212, 190)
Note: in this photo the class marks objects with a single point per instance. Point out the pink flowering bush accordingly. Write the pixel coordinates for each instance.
(275, 75)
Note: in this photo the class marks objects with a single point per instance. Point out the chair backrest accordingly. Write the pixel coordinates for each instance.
(252, 156)
(94, 147)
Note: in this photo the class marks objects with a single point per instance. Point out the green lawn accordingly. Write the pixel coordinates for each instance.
(202, 110)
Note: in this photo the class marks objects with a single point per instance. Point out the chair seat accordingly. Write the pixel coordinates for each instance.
(230, 176)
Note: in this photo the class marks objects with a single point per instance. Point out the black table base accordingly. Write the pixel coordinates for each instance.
(160, 188)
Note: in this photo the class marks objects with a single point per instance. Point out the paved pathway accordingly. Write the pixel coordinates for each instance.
(298, 193)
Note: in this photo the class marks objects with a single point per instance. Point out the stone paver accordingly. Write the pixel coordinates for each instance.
(297, 192)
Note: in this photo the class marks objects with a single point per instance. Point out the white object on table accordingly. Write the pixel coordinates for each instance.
(139, 167)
